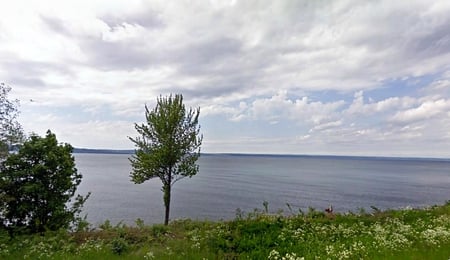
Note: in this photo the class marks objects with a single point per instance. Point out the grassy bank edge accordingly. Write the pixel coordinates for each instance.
(391, 234)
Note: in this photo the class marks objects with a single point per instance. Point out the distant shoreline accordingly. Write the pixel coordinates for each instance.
(362, 157)
(102, 151)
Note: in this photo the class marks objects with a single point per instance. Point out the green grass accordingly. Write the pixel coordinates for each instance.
(391, 234)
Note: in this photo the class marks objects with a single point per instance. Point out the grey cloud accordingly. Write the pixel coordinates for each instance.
(222, 66)
(370, 41)
(25, 81)
(55, 24)
(146, 18)
(395, 38)
(117, 55)
(30, 73)
(204, 56)
(219, 65)
(205, 91)
(215, 84)
(225, 62)
(108, 55)
(432, 43)
(407, 35)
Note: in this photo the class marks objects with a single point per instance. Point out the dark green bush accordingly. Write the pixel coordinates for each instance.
(119, 245)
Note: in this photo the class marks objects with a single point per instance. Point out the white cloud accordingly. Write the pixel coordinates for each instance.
(87, 134)
(302, 110)
(326, 126)
(359, 106)
(426, 110)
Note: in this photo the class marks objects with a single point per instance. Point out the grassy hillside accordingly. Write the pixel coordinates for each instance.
(392, 234)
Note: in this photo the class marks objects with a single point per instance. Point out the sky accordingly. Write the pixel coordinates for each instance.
(311, 77)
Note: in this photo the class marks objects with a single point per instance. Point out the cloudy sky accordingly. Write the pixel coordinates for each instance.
(286, 77)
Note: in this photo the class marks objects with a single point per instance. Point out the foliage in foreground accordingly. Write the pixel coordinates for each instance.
(36, 186)
(393, 234)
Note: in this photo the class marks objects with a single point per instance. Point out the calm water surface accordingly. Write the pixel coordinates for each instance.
(228, 182)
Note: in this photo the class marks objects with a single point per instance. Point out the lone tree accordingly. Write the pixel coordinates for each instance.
(11, 133)
(168, 145)
(37, 185)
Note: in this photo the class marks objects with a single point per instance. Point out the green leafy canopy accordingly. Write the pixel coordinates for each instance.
(168, 143)
(37, 185)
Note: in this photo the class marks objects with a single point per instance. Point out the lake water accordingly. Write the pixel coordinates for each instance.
(228, 182)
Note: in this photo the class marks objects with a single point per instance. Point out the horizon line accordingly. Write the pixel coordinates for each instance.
(130, 151)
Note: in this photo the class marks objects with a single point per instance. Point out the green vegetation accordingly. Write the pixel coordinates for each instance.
(392, 234)
(36, 186)
(11, 133)
(168, 145)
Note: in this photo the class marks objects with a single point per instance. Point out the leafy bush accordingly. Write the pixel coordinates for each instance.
(37, 184)
(119, 246)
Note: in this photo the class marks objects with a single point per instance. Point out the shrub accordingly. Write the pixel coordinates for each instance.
(37, 185)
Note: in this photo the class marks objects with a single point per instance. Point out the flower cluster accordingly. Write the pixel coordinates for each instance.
(149, 255)
(275, 255)
(195, 238)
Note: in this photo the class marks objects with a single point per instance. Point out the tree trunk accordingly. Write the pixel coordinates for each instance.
(167, 203)
(167, 187)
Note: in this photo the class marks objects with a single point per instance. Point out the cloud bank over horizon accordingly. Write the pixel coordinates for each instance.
(304, 77)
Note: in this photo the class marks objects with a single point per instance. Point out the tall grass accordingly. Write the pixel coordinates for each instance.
(391, 234)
